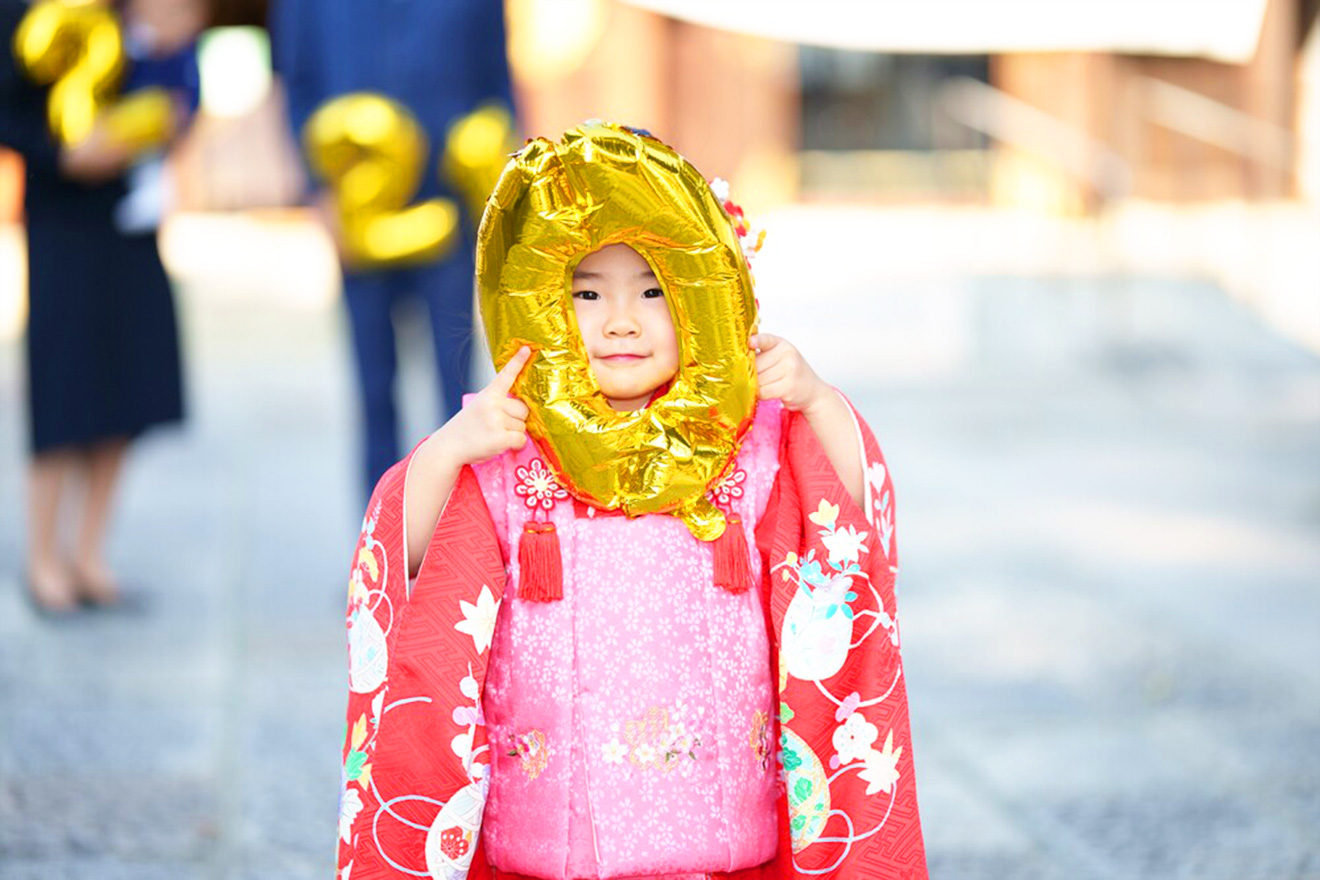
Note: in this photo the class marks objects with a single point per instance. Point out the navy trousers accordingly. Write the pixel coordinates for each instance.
(371, 296)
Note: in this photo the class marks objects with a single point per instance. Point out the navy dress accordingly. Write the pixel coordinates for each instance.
(102, 341)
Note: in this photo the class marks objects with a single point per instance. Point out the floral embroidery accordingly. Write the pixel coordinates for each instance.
(368, 660)
(853, 738)
(469, 716)
(825, 514)
(479, 619)
(538, 486)
(350, 804)
(531, 749)
(882, 767)
(759, 738)
(881, 514)
(817, 630)
(656, 741)
(845, 545)
(355, 764)
(451, 841)
(808, 790)
(453, 844)
(614, 752)
(727, 488)
(750, 238)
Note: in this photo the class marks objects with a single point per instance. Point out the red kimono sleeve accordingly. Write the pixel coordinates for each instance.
(846, 753)
(416, 762)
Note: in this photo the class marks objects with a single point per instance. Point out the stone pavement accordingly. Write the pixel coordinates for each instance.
(1109, 505)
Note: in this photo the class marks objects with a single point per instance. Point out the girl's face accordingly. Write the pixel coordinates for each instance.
(625, 325)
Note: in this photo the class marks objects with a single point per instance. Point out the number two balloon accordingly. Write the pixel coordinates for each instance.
(77, 47)
(371, 151)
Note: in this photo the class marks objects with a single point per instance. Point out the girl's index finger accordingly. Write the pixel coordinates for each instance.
(763, 341)
(508, 374)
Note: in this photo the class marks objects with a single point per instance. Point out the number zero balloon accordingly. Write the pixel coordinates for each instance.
(555, 203)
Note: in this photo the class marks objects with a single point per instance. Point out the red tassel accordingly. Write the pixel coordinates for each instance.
(733, 570)
(538, 558)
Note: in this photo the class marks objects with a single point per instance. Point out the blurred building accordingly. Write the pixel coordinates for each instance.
(1060, 106)
(1179, 128)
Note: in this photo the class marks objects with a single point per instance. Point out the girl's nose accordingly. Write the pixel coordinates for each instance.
(622, 322)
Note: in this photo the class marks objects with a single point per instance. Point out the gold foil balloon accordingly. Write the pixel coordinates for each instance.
(554, 204)
(141, 120)
(78, 47)
(372, 153)
(477, 146)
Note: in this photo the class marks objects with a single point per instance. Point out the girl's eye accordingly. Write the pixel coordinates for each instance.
(653, 293)
(586, 294)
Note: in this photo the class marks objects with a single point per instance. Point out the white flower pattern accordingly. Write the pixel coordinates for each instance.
(350, 804)
(479, 620)
(614, 752)
(881, 770)
(853, 738)
(845, 544)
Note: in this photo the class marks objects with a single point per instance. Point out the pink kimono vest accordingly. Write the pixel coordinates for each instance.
(630, 723)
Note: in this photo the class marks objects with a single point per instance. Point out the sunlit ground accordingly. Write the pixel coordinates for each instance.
(1105, 438)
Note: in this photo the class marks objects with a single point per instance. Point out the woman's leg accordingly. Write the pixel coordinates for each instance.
(102, 464)
(48, 578)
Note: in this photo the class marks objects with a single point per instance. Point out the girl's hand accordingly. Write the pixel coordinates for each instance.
(493, 422)
(783, 374)
(95, 159)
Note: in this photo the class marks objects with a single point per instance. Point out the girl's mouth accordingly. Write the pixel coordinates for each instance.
(620, 358)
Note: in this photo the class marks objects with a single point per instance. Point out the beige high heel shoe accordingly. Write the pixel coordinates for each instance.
(50, 592)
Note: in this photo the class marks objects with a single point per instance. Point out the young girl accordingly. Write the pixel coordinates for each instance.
(563, 664)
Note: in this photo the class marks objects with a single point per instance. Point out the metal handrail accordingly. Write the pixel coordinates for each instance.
(994, 112)
(1193, 114)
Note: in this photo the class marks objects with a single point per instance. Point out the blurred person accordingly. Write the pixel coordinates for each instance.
(102, 341)
(441, 60)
